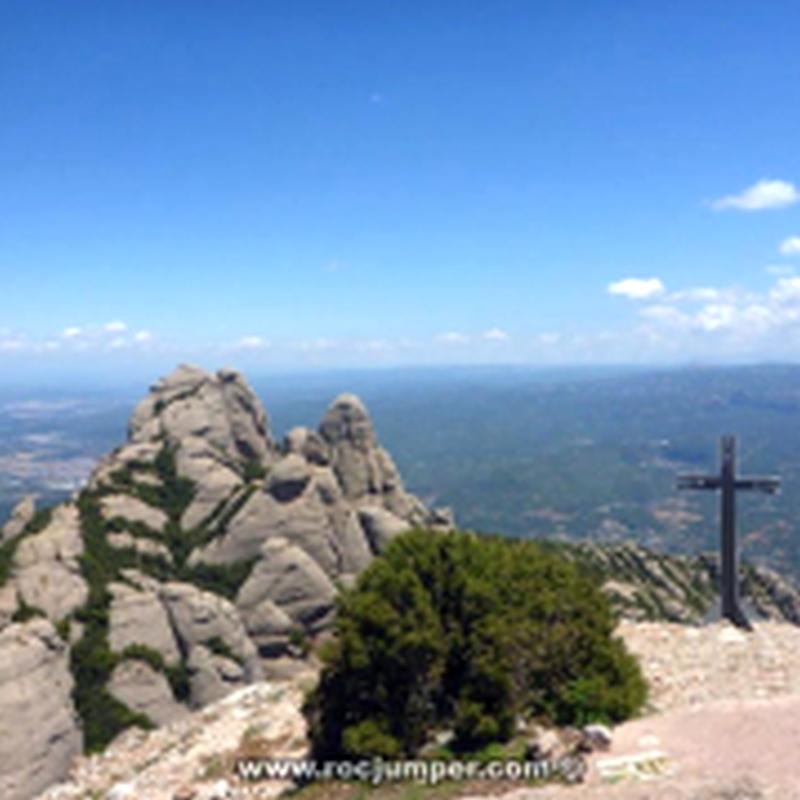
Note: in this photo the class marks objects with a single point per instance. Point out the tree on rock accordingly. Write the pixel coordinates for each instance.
(468, 632)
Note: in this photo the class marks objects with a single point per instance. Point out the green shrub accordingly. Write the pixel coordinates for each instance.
(25, 612)
(220, 647)
(254, 470)
(468, 632)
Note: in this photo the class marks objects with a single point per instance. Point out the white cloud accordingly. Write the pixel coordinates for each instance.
(118, 343)
(142, 336)
(252, 343)
(786, 290)
(665, 314)
(637, 288)
(548, 338)
(716, 316)
(12, 345)
(698, 294)
(452, 337)
(791, 246)
(762, 195)
(496, 335)
(117, 326)
(72, 332)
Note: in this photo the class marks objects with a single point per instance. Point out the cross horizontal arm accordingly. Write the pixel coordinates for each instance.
(767, 483)
(699, 482)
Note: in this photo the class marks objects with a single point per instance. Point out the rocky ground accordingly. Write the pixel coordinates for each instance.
(724, 721)
(723, 724)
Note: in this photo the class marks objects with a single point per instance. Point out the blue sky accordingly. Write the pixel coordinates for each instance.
(356, 183)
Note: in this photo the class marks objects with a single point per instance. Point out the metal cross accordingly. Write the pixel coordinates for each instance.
(729, 482)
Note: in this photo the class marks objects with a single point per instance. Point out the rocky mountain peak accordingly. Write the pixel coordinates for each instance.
(347, 420)
(200, 556)
(221, 409)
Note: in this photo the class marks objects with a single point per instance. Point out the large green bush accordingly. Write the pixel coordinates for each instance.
(468, 632)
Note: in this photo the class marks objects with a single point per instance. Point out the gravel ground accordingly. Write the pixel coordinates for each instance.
(724, 721)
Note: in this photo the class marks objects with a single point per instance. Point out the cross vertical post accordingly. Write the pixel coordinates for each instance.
(728, 482)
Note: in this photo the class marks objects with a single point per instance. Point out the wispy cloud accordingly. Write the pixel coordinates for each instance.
(548, 338)
(743, 317)
(637, 288)
(779, 269)
(496, 335)
(117, 326)
(141, 337)
(790, 246)
(765, 194)
(73, 332)
(252, 343)
(452, 337)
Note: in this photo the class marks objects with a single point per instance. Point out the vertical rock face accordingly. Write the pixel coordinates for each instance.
(21, 515)
(46, 572)
(39, 733)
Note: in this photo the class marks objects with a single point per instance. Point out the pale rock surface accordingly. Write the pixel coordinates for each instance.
(132, 509)
(22, 513)
(127, 456)
(214, 479)
(141, 544)
(39, 733)
(137, 685)
(194, 756)
(139, 617)
(308, 444)
(365, 470)
(288, 578)
(380, 526)
(46, 571)
(198, 617)
(9, 603)
(221, 409)
(316, 519)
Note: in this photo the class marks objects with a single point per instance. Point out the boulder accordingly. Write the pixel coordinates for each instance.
(268, 626)
(308, 444)
(47, 571)
(23, 512)
(40, 732)
(318, 520)
(380, 526)
(200, 619)
(213, 676)
(289, 478)
(139, 617)
(292, 581)
(136, 684)
(596, 737)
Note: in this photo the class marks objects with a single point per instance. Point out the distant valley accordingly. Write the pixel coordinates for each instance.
(572, 454)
